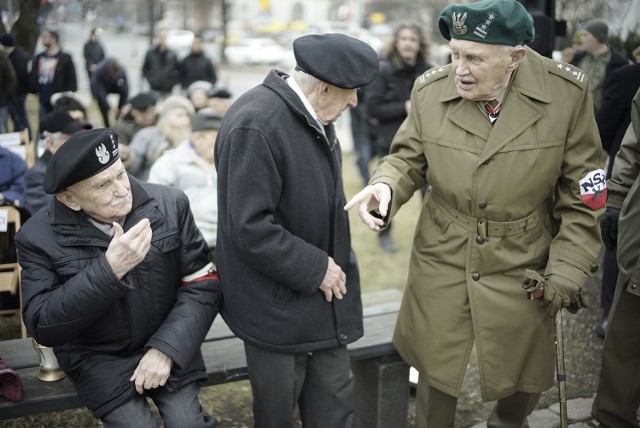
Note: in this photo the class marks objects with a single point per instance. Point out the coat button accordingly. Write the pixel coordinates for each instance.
(475, 276)
(483, 204)
(634, 286)
(594, 268)
(343, 336)
(479, 239)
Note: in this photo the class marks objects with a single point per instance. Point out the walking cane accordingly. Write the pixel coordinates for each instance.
(560, 374)
(533, 284)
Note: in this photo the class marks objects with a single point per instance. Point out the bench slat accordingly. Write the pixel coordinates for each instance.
(223, 354)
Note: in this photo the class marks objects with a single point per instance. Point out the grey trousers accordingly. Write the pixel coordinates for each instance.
(436, 409)
(319, 383)
(179, 409)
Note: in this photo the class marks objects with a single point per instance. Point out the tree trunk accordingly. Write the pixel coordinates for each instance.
(25, 29)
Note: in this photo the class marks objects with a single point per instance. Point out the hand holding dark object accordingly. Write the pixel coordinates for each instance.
(609, 227)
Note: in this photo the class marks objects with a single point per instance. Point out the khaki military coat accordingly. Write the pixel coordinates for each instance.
(504, 198)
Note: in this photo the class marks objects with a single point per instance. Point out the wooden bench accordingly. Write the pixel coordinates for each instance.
(382, 377)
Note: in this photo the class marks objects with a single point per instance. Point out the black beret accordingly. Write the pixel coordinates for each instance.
(205, 120)
(84, 155)
(337, 59)
(60, 121)
(143, 101)
(498, 22)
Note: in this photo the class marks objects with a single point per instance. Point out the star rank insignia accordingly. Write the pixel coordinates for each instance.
(576, 73)
(426, 76)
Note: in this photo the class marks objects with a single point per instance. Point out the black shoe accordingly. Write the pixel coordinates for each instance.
(602, 327)
(387, 244)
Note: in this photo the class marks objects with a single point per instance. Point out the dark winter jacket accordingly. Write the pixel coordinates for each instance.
(617, 60)
(103, 83)
(614, 114)
(281, 199)
(93, 53)
(20, 60)
(100, 326)
(64, 75)
(160, 68)
(387, 95)
(12, 170)
(194, 67)
(35, 195)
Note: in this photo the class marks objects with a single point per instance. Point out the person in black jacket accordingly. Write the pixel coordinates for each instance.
(52, 71)
(597, 59)
(93, 54)
(388, 95)
(283, 245)
(117, 278)
(20, 60)
(613, 119)
(160, 66)
(109, 77)
(196, 66)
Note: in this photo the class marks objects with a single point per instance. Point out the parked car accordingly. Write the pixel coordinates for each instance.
(257, 51)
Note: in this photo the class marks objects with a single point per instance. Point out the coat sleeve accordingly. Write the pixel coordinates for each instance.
(574, 250)
(198, 298)
(55, 314)
(627, 163)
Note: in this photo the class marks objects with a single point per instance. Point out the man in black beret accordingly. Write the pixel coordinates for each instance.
(117, 279)
(139, 113)
(56, 128)
(283, 238)
(507, 141)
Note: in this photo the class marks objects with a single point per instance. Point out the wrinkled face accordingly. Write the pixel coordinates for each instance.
(105, 197)
(204, 143)
(482, 70)
(408, 44)
(588, 42)
(333, 101)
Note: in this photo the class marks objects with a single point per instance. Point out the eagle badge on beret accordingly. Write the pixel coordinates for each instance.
(458, 23)
(102, 154)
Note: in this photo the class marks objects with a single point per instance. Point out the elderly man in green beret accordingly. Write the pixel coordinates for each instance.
(507, 141)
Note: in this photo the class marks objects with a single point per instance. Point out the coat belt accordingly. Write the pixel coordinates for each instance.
(485, 228)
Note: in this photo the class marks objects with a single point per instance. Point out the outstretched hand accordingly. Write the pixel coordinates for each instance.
(126, 250)
(374, 198)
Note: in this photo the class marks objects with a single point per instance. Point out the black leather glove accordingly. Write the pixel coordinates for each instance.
(609, 227)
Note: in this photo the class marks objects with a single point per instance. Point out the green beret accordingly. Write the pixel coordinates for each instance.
(498, 22)
(84, 155)
(335, 58)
